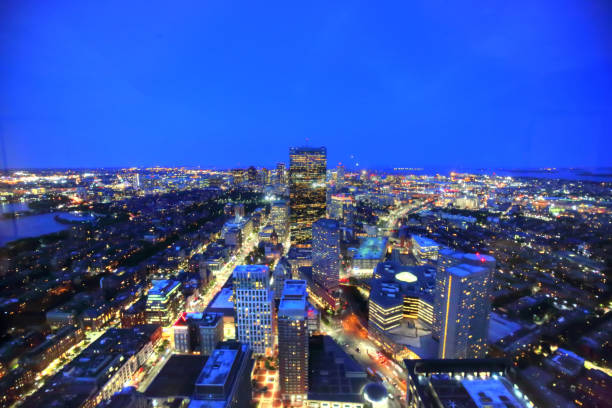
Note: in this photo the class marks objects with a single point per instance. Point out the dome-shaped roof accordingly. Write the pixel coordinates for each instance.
(375, 392)
(406, 277)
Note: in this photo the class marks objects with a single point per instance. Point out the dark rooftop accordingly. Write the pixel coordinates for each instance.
(177, 378)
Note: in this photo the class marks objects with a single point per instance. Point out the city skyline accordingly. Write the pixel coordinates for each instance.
(521, 87)
(305, 205)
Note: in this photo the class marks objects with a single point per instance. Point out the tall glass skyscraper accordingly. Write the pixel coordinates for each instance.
(326, 253)
(253, 307)
(307, 190)
(279, 218)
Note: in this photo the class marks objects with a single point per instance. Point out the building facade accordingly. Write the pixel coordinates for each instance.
(253, 303)
(164, 302)
(307, 190)
(198, 332)
(293, 341)
(279, 219)
(462, 304)
(326, 253)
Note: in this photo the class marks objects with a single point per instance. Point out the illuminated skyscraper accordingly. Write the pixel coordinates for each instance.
(251, 174)
(293, 341)
(307, 171)
(279, 218)
(326, 253)
(340, 176)
(281, 173)
(253, 307)
(461, 304)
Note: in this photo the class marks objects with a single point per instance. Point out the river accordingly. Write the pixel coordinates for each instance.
(36, 225)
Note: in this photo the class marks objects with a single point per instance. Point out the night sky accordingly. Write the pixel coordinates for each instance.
(522, 83)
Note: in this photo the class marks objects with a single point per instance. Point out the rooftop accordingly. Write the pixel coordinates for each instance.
(162, 287)
(465, 270)
(218, 367)
(406, 277)
(177, 377)
(371, 248)
(466, 383)
(258, 269)
(222, 301)
(491, 392)
(424, 241)
(333, 374)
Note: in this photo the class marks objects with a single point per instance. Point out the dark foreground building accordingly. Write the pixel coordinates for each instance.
(465, 383)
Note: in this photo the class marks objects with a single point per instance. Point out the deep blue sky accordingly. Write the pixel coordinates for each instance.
(414, 83)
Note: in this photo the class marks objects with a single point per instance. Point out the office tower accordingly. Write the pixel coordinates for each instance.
(447, 258)
(462, 305)
(136, 181)
(239, 175)
(462, 383)
(279, 218)
(341, 207)
(307, 171)
(326, 253)
(253, 307)
(225, 380)
(386, 306)
(164, 302)
(340, 176)
(281, 173)
(263, 177)
(293, 341)
(252, 174)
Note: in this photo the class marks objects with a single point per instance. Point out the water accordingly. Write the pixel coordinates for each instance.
(37, 225)
(28, 227)
(6, 208)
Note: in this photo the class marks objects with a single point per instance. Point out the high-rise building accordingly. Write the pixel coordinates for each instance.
(293, 341)
(326, 253)
(279, 218)
(164, 302)
(136, 181)
(263, 176)
(253, 307)
(239, 175)
(307, 190)
(281, 173)
(341, 207)
(252, 174)
(340, 176)
(462, 304)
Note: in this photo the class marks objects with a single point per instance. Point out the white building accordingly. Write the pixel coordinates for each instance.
(253, 307)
